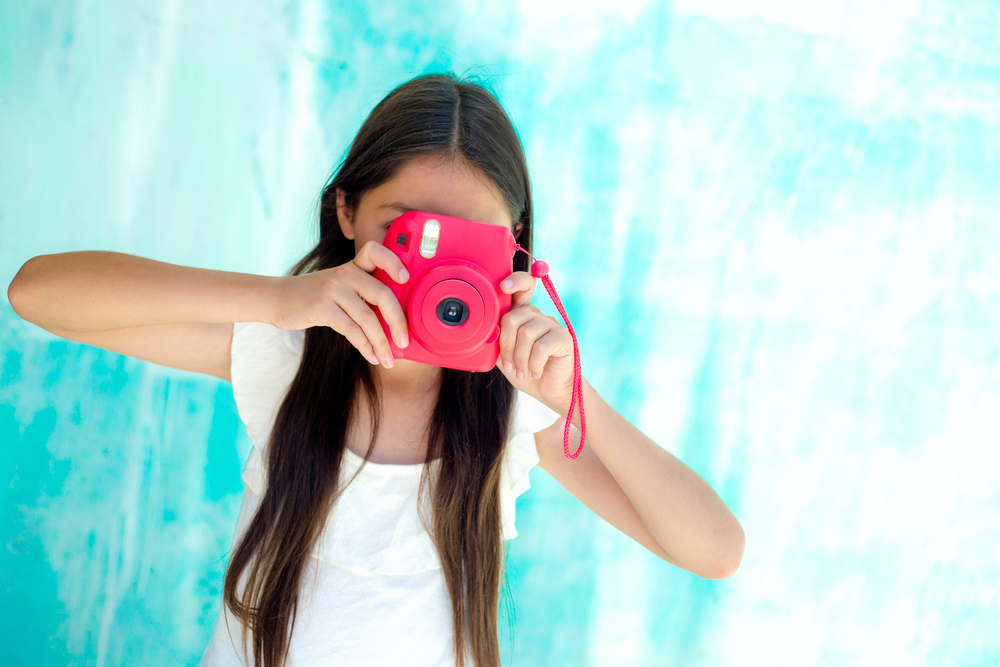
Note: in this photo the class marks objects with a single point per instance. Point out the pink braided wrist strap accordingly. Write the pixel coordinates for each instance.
(541, 270)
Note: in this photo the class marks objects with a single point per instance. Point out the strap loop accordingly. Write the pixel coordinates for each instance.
(541, 270)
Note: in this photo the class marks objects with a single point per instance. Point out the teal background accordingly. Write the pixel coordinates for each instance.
(774, 225)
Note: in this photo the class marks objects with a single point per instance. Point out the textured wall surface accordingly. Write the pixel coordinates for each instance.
(774, 225)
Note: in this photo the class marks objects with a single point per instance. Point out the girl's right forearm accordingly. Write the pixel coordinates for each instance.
(100, 291)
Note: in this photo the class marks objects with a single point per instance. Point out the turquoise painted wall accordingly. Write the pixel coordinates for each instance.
(774, 225)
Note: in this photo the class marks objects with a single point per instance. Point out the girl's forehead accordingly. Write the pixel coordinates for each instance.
(445, 187)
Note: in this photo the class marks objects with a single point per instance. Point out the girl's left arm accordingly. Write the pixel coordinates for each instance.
(678, 510)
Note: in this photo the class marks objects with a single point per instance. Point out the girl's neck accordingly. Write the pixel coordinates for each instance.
(408, 396)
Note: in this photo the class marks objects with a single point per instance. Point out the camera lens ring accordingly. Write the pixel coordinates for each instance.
(462, 282)
(452, 311)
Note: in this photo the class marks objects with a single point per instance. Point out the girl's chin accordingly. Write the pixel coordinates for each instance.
(408, 364)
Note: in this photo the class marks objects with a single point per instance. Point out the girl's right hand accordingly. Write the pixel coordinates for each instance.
(338, 298)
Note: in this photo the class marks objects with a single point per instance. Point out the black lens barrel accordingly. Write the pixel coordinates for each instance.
(452, 311)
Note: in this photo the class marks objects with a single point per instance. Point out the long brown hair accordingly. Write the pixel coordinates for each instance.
(429, 115)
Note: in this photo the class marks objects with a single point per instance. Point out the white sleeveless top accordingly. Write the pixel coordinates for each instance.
(374, 592)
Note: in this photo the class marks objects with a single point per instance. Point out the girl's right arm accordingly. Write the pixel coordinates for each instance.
(182, 317)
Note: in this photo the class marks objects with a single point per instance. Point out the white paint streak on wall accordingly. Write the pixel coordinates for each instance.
(302, 153)
(147, 90)
(620, 605)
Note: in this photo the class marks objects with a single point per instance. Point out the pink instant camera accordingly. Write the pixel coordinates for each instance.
(452, 301)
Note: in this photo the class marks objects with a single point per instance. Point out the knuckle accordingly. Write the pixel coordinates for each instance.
(330, 281)
(376, 249)
(352, 331)
(331, 286)
(369, 317)
(383, 294)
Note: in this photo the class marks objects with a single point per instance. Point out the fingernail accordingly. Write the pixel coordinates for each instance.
(389, 361)
(372, 358)
(534, 376)
(404, 340)
(520, 375)
(507, 284)
(507, 366)
(404, 275)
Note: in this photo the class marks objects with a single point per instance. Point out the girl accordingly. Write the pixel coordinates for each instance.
(379, 492)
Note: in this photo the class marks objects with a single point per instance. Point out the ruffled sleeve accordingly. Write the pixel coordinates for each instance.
(265, 360)
(530, 416)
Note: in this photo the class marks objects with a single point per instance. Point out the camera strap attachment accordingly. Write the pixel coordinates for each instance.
(540, 269)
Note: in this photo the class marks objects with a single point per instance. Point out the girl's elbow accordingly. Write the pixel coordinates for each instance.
(17, 293)
(728, 556)
(739, 543)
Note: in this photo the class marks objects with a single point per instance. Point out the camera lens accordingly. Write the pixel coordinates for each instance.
(452, 311)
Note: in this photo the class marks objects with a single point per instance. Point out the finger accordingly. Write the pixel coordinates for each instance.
(553, 343)
(522, 286)
(376, 292)
(375, 255)
(527, 334)
(341, 322)
(511, 321)
(365, 317)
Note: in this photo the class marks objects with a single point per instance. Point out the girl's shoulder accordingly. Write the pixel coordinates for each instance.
(530, 414)
(263, 337)
(265, 360)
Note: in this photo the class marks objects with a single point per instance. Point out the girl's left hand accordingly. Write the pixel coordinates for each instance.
(535, 346)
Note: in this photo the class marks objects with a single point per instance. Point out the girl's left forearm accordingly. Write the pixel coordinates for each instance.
(680, 510)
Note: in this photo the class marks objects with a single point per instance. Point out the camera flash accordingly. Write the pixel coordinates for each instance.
(429, 239)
